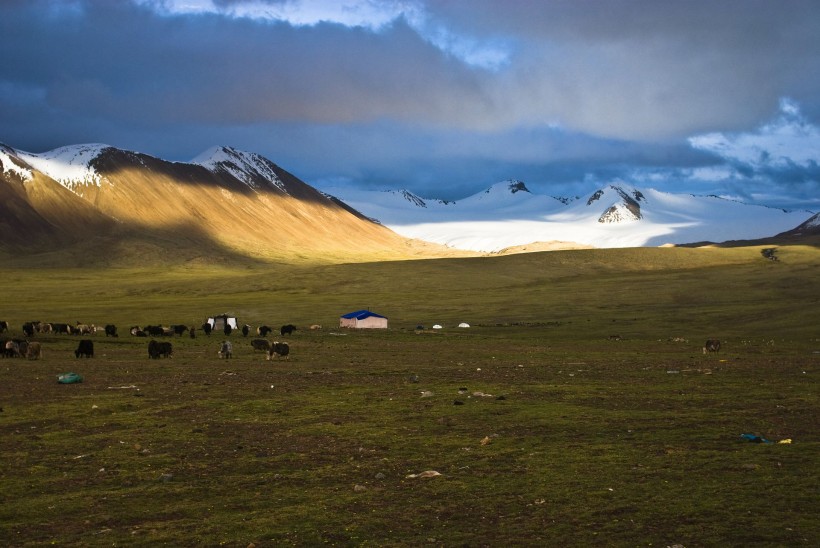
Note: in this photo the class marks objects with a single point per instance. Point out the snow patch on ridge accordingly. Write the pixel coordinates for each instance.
(9, 165)
(70, 165)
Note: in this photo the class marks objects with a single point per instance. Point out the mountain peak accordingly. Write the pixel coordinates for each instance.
(623, 206)
(508, 187)
(501, 191)
(253, 169)
(410, 197)
(517, 186)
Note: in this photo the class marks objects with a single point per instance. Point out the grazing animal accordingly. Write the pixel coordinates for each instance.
(316, 326)
(260, 344)
(61, 328)
(263, 330)
(22, 348)
(34, 351)
(179, 329)
(160, 349)
(11, 349)
(226, 351)
(192, 332)
(712, 345)
(156, 330)
(111, 330)
(245, 330)
(614, 337)
(207, 328)
(85, 348)
(279, 350)
(287, 329)
(151, 329)
(227, 329)
(83, 329)
(28, 329)
(4, 326)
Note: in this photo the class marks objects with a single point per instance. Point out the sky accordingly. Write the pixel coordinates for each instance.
(441, 97)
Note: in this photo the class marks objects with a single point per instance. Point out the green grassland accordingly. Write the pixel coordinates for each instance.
(544, 429)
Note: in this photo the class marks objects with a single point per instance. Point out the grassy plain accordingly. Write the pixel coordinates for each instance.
(544, 430)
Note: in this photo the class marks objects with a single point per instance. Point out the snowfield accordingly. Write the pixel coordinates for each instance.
(507, 215)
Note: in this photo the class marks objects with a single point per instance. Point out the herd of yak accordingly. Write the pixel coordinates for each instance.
(12, 348)
(18, 348)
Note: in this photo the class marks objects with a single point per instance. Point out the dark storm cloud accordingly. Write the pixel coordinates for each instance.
(446, 96)
(120, 61)
(648, 69)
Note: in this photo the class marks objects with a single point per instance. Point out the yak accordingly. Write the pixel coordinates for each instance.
(279, 350)
(160, 349)
(85, 348)
(260, 344)
(711, 345)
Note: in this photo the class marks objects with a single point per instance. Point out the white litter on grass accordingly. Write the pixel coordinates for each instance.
(425, 474)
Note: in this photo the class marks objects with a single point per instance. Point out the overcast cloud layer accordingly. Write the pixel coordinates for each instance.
(442, 97)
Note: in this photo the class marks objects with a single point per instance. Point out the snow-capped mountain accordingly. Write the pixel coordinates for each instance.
(224, 203)
(508, 214)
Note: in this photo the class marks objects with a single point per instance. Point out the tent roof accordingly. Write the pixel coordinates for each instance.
(362, 314)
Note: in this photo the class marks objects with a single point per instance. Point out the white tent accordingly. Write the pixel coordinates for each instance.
(218, 323)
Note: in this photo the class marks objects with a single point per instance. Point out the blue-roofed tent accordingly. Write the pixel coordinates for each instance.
(363, 319)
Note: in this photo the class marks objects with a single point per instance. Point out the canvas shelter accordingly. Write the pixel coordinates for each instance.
(363, 319)
(218, 322)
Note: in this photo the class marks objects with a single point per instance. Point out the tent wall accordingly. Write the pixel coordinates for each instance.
(372, 322)
(347, 322)
(218, 322)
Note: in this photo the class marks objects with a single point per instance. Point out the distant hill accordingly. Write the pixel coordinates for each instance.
(508, 217)
(92, 204)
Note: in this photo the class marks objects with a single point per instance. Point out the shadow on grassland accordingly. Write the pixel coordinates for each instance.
(127, 246)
